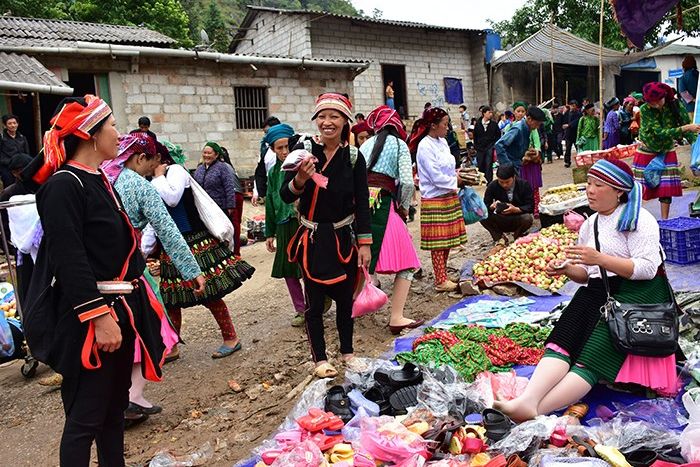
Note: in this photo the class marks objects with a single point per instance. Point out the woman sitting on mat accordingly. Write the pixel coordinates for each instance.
(334, 238)
(390, 179)
(579, 351)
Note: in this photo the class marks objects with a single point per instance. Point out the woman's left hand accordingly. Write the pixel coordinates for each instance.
(584, 255)
(364, 256)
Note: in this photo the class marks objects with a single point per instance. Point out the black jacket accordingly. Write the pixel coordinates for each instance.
(522, 195)
(11, 146)
(558, 125)
(485, 138)
(573, 116)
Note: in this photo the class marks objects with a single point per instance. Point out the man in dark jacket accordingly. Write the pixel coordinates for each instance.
(12, 142)
(557, 135)
(570, 129)
(486, 133)
(510, 203)
(266, 157)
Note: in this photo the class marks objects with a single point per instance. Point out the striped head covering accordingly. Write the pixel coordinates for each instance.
(133, 143)
(74, 118)
(333, 101)
(383, 116)
(618, 175)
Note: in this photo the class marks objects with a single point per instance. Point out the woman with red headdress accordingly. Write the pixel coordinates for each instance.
(441, 222)
(334, 237)
(88, 302)
(663, 125)
(391, 189)
(361, 132)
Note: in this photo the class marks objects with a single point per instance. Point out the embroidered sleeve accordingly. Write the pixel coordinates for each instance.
(406, 186)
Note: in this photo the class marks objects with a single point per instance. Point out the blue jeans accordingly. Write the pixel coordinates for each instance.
(390, 102)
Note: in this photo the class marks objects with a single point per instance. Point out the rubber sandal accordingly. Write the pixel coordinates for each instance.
(317, 420)
(584, 446)
(325, 442)
(497, 424)
(269, 456)
(289, 438)
(480, 460)
(408, 375)
(498, 461)
(419, 428)
(132, 421)
(641, 457)
(515, 461)
(578, 410)
(357, 400)
(404, 398)
(225, 351)
(326, 370)
(342, 452)
(376, 395)
(135, 408)
(611, 455)
(559, 437)
(337, 402)
(172, 356)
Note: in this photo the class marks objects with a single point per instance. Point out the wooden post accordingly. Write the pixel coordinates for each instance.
(600, 73)
(541, 85)
(512, 97)
(37, 120)
(566, 93)
(551, 61)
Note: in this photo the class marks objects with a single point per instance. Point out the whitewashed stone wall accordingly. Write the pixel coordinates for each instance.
(277, 35)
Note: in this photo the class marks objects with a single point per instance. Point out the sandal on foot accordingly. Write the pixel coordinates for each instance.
(298, 320)
(497, 424)
(172, 356)
(225, 350)
(337, 402)
(326, 370)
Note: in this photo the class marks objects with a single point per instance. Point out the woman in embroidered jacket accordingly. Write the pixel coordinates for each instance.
(334, 238)
(83, 333)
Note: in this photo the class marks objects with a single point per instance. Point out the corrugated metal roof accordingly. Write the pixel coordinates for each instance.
(553, 44)
(57, 32)
(678, 49)
(26, 72)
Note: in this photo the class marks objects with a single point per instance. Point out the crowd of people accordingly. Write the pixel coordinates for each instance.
(117, 210)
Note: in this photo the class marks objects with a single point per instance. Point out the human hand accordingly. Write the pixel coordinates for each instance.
(584, 255)
(201, 283)
(511, 210)
(364, 256)
(270, 243)
(160, 170)
(254, 200)
(691, 128)
(403, 213)
(557, 267)
(305, 172)
(108, 336)
(493, 205)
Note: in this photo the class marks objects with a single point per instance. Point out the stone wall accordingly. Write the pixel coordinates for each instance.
(192, 102)
(277, 34)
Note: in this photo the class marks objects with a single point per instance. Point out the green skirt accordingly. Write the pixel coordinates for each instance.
(599, 354)
(282, 268)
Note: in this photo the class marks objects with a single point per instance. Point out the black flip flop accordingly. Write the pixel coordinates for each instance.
(337, 402)
(497, 424)
(403, 398)
(408, 375)
(641, 457)
(376, 395)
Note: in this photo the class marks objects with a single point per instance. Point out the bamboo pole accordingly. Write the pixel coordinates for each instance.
(566, 92)
(541, 99)
(512, 97)
(600, 73)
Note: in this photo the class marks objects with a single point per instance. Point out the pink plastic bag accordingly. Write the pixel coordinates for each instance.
(294, 160)
(573, 220)
(370, 298)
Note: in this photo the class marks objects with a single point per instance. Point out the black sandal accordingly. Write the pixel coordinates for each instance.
(376, 395)
(337, 402)
(641, 457)
(408, 375)
(497, 424)
(404, 398)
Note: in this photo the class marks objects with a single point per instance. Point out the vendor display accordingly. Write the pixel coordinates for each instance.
(557, 200)
(526, 259)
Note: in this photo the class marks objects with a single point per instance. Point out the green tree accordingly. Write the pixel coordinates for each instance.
(216, 28)
(581, 17)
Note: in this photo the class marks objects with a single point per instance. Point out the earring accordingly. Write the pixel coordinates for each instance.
(94, 144)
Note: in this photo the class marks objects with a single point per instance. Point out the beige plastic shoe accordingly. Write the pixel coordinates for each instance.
(447, 286)
(53, 380)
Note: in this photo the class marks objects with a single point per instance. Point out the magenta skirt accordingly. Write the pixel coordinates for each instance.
(532, 173)
(397, 253)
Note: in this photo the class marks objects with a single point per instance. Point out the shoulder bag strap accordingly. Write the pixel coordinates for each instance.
(603, 272)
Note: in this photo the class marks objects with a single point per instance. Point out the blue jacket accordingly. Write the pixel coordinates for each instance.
(689, 82)
(217, 181)
(511, 147)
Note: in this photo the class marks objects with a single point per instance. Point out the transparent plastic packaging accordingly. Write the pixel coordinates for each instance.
(360, 372)
(522, 437)
(386, 439)
(626, 435)
(199, 457)
(305, 454)
(443, 392)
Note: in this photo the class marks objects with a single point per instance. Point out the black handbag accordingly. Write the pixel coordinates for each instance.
(639, 329)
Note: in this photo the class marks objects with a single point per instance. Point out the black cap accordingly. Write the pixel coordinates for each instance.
(536, 113)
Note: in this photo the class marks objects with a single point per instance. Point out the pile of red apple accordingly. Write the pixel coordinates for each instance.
(526, 259)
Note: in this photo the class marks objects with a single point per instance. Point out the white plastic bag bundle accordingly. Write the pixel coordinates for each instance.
(690, 438)
(25, 226)
(217, 222)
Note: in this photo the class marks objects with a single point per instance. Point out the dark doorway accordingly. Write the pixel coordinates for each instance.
(23, 107)
(633, 81)
(397, 74)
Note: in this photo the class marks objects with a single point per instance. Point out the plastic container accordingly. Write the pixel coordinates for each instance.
(680, 238)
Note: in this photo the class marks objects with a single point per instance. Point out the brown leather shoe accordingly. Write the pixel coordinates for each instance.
(415, 324)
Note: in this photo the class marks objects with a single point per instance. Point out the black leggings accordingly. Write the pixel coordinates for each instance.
(94, 402)
(341, 293)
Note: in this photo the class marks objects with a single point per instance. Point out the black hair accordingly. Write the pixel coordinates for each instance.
(624, 198)
(573, 102)
(536, 113)
(8, 117)
(427, 104)
(224, 156)
(144, 121)
(359, 116)
(271, 121)
(463, 107)
(485, 108)
(71, 142)
(345, 134)
(379, 144)
(505, 171)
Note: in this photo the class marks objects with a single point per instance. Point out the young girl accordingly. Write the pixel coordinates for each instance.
(281, 221)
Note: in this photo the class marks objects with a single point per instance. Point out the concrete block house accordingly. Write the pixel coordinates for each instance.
(441, 65)
(190, 96)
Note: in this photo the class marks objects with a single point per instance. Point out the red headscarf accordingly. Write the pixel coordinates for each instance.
(76, 119)
(361, 127)
(422, 127)
(383, 116)
(656, 91)
(133, 143)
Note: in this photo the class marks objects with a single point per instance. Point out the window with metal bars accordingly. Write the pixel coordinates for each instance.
(251, 107)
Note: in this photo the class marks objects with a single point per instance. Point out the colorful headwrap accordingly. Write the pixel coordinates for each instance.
(133, 143)
(333, 101)
(362, 127)
(278, 132)
(629, 100)
(656, 91)
(421, 127)
(637, 95)
(175, 153)
(618, 175)
(517, 104)
(72, 119)
(215, 147)
(383, 116)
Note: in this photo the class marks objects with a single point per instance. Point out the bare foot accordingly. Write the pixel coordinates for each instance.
(517, 410)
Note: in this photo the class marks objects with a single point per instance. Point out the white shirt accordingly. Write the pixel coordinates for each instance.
(170, 187)
(436, 168)
(641, 245)
(270, 160)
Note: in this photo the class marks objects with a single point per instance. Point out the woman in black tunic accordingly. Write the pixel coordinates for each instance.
(83, 332)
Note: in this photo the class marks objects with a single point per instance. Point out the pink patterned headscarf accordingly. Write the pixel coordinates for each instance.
(383, 116)
(134, 143)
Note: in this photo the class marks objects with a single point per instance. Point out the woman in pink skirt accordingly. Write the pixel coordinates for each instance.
(390, 180)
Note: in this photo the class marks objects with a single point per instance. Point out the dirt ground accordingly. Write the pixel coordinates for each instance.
(198, 405)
